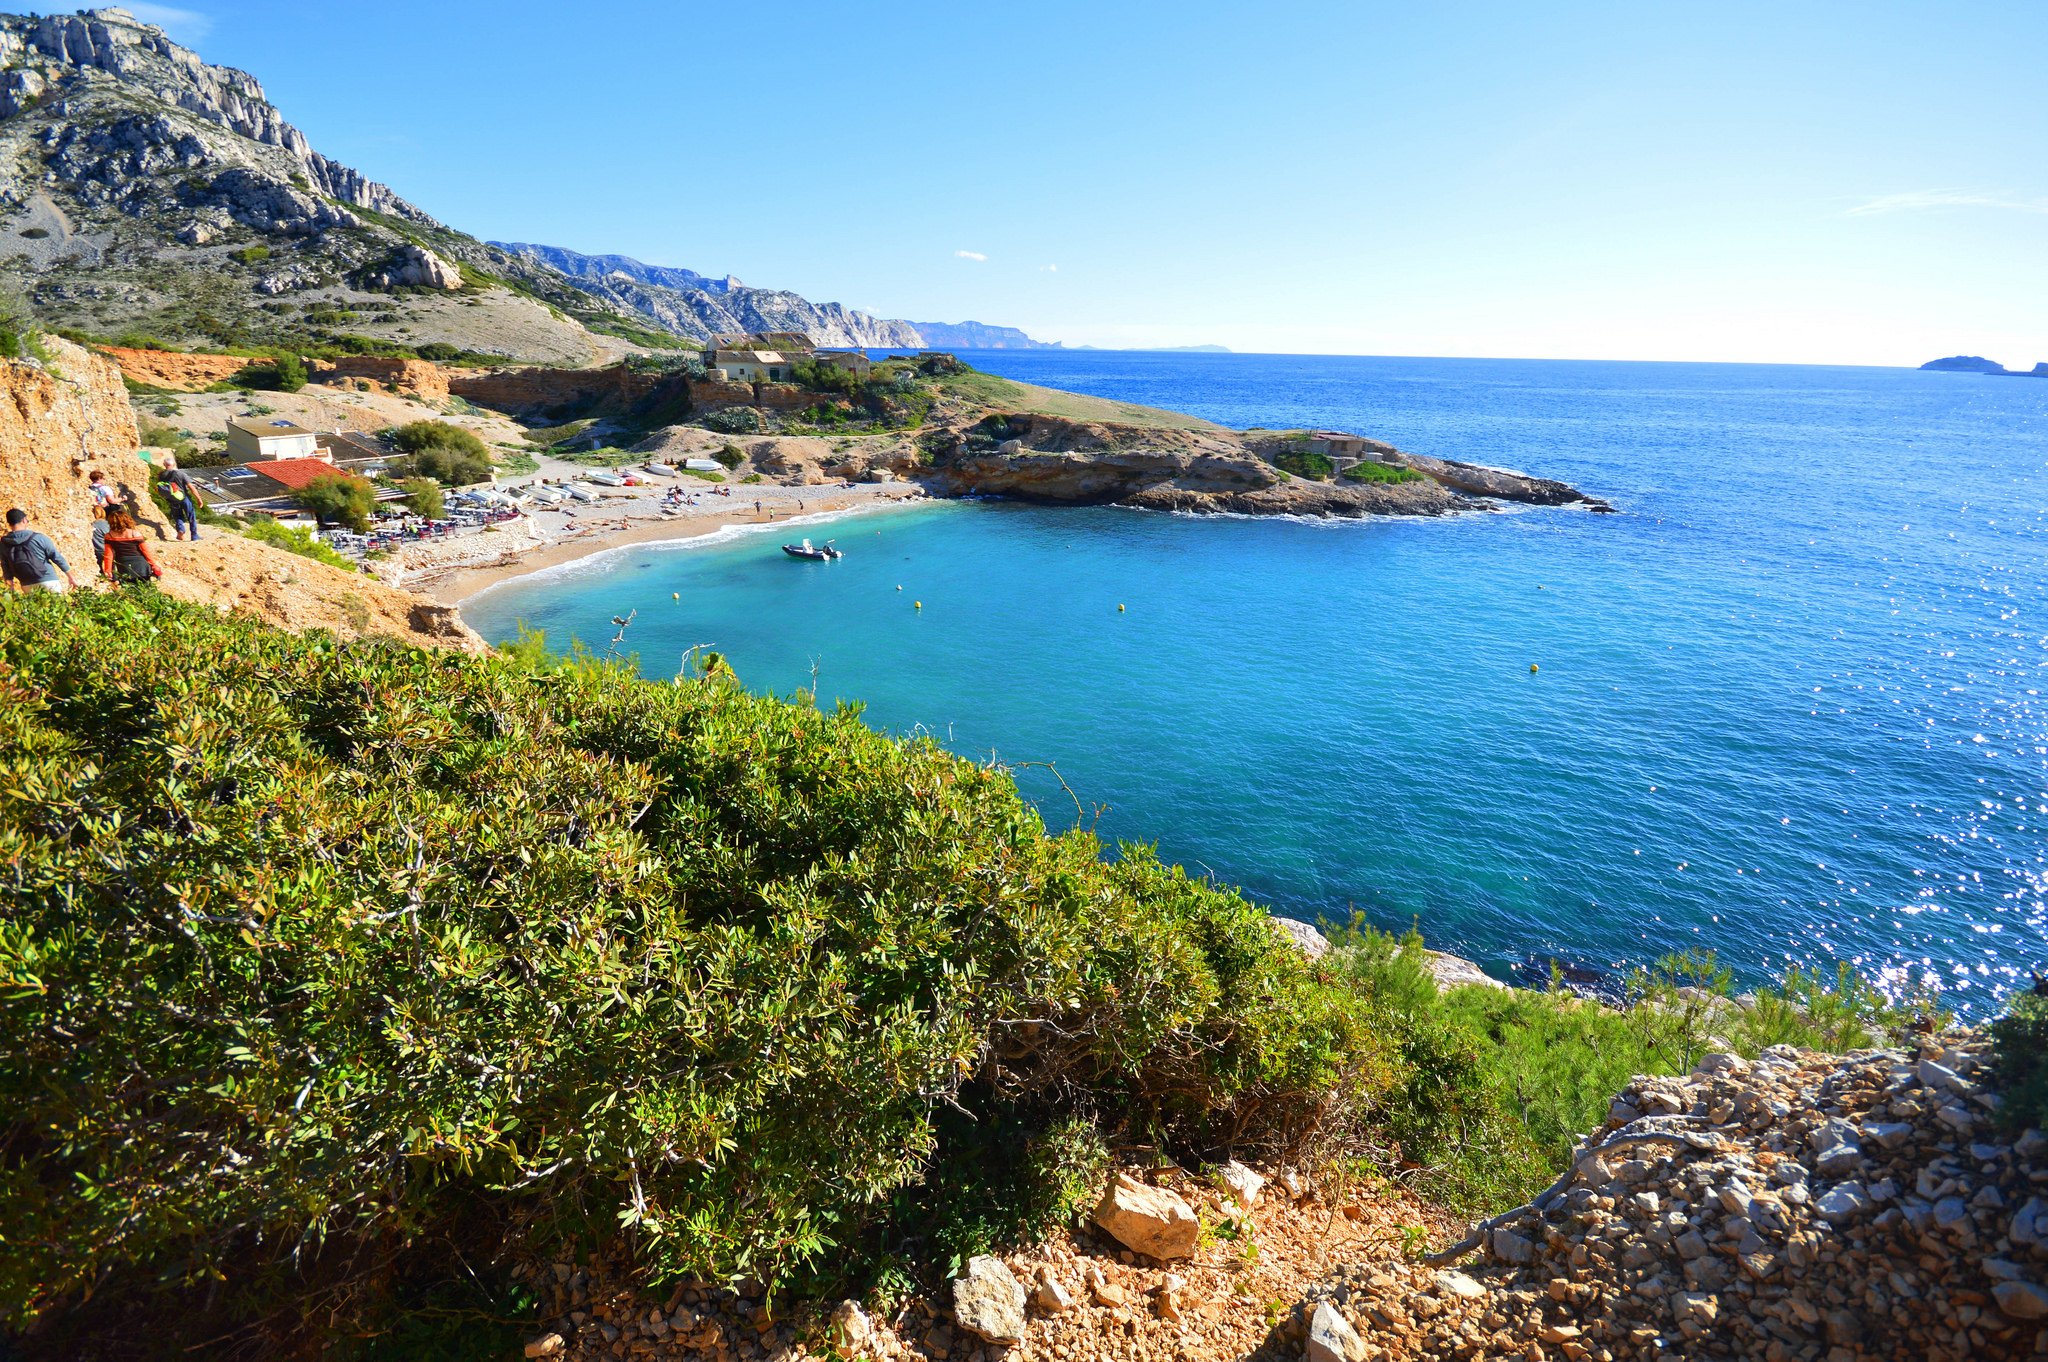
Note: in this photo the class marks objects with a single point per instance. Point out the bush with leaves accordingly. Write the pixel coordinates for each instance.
(291, 373)
(2020, 1047)
(448, 454)
(729, 455)
(319, 960)
(340, 499)
(292, 539)
(423, 497)
(734, 421)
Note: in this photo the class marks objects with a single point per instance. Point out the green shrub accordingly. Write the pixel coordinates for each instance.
(293, 539)
(340, 498)
(734, 421)
(291, 373)
(253, 255)
(322, 963)
(418, 436)
(2020, 1049)
(1371, 470)
(448, 454)
(730, 455)
(423, 497)
(1304, 463)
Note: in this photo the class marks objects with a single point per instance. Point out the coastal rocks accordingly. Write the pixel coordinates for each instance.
(414, 267)
(1148, 1220)
(1307, 939)
(1799, 1206)
(988, 1300)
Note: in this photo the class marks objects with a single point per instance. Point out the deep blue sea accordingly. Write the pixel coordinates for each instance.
(1788, 705)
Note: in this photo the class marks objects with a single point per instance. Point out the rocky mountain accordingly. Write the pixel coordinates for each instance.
(978, 336)
(687, 303)
(145, 191)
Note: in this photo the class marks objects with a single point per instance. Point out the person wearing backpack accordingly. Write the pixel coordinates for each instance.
(30, 560)
(127, 557)
(176, 485)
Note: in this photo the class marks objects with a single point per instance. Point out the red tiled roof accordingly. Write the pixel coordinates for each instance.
(293, 473)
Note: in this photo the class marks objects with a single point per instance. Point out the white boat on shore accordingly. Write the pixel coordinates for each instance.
(580, 493)
(607, 479)
(659, 469)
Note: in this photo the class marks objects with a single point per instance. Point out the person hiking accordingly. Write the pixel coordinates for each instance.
(30, 560)
(176, 485)
(105, 497)
(127, 557)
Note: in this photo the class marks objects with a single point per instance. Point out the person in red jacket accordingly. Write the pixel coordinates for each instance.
(126, 557)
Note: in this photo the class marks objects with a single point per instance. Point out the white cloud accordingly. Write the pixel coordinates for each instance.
(1049, 269)
(1931, 200)
(969, 255)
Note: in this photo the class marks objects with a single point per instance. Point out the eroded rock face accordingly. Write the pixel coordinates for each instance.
(1148, 1220)
(415, 267)
(1859, 1209)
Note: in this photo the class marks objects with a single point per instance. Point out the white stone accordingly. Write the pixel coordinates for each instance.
(1242, 1183)
(1053, 1298)
(989, 1301)
(1331, 1337)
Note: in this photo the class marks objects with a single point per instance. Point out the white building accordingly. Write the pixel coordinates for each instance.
(254, 439)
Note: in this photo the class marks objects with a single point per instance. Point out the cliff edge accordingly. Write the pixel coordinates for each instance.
(64, 418)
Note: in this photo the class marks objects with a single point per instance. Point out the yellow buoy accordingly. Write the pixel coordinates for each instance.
(1119, 609)
(1532, 666)
(917, 605)
(675, 595)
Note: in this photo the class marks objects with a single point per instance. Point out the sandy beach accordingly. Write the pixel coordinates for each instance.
(453, 570)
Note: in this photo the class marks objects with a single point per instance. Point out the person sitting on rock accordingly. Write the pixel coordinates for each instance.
(126, 557)
(30, 560)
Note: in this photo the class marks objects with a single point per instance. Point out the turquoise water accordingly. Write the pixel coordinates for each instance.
(1787, 706)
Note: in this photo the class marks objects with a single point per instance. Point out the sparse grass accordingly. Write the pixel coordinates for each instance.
(990, 391)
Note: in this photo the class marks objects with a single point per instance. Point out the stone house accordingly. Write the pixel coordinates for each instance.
(854, 362)
(751, 366)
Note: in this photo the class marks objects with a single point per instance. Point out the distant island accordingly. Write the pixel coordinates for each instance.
(1977, 364)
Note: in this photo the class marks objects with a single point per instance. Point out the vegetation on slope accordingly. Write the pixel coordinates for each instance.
(330, 973)
(322, 964)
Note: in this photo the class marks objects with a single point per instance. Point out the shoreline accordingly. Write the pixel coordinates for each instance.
(448, 579)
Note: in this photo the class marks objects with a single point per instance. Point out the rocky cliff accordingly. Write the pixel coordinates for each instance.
(67, 417)
(695, 305)
(142, 189)
(978, 336)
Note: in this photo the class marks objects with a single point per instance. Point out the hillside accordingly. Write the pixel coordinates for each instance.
(978, 336)
(64, 418)
(694, 305)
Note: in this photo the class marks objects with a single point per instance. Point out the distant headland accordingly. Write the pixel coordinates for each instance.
(1977, 364)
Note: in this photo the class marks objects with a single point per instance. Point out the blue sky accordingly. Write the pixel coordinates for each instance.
(1861, 183)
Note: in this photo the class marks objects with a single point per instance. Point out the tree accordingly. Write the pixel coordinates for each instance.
(341, 498)
(416, 436)
(291, 373)
(423, 497)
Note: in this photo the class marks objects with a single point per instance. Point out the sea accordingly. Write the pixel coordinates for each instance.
(1787, 706)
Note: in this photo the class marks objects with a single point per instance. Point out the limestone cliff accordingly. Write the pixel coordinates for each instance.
(142, 189)
(64, 419)
(696, 305)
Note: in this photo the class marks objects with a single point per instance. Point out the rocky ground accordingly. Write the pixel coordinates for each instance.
(1826, 1209)
(1236, 1259)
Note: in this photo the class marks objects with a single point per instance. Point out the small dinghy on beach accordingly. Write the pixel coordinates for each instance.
(822, 554)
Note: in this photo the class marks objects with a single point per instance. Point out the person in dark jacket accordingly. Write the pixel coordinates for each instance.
(29, 559)
(127, 557)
